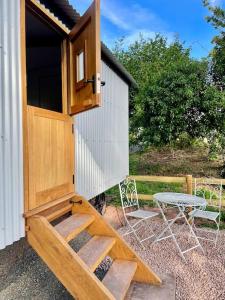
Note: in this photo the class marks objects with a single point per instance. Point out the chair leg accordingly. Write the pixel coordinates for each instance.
(212, 240)
(193, 224)
(137, 237)
(132, 230)
(150, 228)
(217, 232)
(191, 221)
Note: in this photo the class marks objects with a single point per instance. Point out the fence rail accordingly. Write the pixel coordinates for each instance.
(160, 179)
(187, 182)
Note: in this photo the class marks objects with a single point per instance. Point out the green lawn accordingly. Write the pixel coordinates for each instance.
(145, 188)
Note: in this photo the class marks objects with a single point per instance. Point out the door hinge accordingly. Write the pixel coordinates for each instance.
(73, 178)
(72, 128)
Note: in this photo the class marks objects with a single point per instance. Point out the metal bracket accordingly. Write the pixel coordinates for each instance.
(27, 228)
(93, 81)
(76, 202)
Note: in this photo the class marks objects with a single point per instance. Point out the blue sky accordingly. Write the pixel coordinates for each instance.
(185, 18)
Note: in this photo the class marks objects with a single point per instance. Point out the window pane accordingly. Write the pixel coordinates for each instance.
(80, 66)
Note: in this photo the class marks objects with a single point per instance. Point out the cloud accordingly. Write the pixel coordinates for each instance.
(129, 17)
(148, 34)
(135, 36)
(129, 20)
(122, 14)
(109, 12)
(215, 2)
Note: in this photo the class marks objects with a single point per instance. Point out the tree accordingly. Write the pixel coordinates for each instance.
(174, 95)
(217, 19)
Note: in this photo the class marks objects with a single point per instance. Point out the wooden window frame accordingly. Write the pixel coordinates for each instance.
(85, 95)
(81, 83)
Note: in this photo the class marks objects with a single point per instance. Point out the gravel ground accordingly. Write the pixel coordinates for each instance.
(24, 276)
(201, 278)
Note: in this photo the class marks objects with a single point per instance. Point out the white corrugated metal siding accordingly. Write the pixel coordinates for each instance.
(11, 158)
(101, 141)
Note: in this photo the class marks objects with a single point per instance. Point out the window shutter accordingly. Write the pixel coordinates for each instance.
(85, 61)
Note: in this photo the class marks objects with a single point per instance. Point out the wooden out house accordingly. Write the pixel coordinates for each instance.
(63, 141)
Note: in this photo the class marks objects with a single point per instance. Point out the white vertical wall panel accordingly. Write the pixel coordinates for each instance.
(11, 158)
(101, 141)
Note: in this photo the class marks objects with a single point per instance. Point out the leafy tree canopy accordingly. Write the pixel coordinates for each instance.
(174, 94)
(217, 19)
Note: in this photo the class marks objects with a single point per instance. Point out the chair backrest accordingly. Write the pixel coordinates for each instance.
(211, 190)
(128, 193)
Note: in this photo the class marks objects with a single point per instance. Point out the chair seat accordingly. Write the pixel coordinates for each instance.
(142, 214)
(205, 214)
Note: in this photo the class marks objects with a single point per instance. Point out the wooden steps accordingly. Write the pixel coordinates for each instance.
(59, 212)
(95, 250)
(72, 226)
(119, 277)
(76, 270)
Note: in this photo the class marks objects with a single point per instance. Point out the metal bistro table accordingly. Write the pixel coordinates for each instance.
(181, 202)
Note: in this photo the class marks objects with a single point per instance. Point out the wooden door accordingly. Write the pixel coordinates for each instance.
(85, 61)
(50, 156)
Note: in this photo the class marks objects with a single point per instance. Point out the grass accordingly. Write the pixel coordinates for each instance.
(174, 163)
(212, 225)
(144, 188)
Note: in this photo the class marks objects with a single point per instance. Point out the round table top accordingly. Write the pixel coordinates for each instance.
(180, 199)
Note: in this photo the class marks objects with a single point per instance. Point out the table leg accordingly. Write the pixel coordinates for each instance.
(169, 223)
(187, 221)
(168, 227)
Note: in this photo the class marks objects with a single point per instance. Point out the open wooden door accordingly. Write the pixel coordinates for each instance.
(85, 61)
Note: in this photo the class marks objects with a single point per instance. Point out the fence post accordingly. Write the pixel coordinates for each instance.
(189, 184)
(189, 189)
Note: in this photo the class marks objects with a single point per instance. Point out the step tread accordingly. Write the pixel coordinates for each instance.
(48, 205)
(58, 212)
(95, 250)
(72, 226)
(119, 277)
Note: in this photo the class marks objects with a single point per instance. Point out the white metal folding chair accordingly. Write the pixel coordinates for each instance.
(211, 190)
(131, 209)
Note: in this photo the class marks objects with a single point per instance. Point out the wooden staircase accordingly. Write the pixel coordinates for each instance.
(75, 270)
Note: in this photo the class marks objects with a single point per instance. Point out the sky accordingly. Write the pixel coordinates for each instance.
(129, 18)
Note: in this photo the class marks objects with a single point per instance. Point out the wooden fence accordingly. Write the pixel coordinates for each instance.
(186, 181)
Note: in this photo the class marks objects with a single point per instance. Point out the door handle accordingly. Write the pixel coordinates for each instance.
(93, 82)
